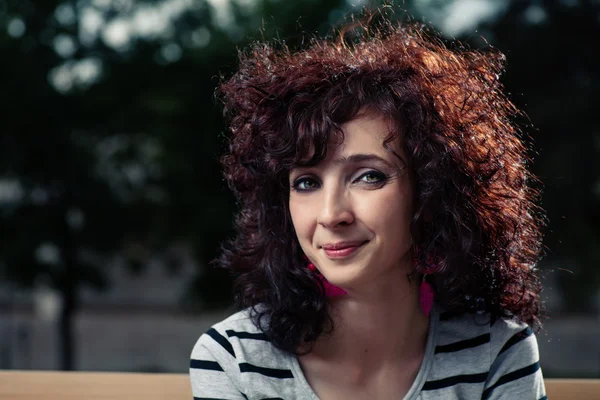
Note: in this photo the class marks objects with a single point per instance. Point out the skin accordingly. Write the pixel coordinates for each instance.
(379, 336)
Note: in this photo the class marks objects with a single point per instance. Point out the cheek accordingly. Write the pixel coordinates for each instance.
(388, 210)
(300, 219)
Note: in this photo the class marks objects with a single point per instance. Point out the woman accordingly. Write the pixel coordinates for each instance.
(376, 174)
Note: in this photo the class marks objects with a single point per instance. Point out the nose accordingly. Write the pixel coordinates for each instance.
(336, 207)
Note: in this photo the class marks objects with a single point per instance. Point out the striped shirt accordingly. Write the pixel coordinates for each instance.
(465, 358)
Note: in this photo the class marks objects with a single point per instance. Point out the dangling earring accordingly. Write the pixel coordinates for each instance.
(426, 292)
(426, 296)
(330, 289)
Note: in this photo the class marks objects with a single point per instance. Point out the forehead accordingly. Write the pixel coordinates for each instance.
(368, 133)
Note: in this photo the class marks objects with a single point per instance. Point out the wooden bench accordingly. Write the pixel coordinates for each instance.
(36, 385)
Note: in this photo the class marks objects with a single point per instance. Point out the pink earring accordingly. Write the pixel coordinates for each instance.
(426, 296)
(426, 293)
(330, 290)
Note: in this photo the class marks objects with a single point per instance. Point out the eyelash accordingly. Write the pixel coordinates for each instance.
(381, 178)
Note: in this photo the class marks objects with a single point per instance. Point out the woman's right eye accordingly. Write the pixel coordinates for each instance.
(305, 184)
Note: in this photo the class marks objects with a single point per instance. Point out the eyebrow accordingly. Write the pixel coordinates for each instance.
(361, 157)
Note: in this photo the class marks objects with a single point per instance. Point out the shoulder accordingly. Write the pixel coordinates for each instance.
(476, 355)
(238, 348)
(510, 335)
(214, 371)
(462, 327)
(460, 355)
(515, 371)
(223, 337)
(238, 322)
(494, 338)
(501, 334)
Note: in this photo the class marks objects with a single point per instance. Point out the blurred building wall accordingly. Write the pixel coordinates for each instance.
(129, 339)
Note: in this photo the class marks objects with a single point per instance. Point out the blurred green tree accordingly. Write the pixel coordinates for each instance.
(112, 137)
(553, 74)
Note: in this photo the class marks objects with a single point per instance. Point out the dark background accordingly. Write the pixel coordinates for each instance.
(110, 141)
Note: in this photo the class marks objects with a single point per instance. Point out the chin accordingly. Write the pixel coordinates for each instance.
(346, 276)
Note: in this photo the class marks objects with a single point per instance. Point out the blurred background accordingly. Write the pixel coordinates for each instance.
(112, 202)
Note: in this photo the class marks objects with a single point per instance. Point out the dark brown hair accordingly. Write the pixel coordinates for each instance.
(475, 215)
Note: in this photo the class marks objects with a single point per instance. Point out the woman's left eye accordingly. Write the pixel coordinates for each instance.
(371, 177)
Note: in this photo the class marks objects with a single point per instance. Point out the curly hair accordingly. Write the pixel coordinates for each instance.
(475, 214)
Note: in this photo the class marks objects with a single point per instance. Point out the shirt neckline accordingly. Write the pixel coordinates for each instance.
(420, 379)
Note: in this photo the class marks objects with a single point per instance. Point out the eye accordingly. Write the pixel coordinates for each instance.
(371, 177)
(305, 184)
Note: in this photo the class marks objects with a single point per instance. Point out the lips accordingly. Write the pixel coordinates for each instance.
(343, 245)
(342, 249)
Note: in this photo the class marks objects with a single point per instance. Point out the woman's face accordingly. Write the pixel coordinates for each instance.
(352, 211)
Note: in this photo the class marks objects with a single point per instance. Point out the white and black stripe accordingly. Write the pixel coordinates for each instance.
(246, 335)
(463, 344)
(206, 365)
(221, 340)
(270, 372)
(511, 377)
(516, 338)
(455, 380)
(465, 359)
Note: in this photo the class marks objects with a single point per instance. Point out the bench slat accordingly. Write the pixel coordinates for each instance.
(57, 385)
(25, 385)
(573, 389)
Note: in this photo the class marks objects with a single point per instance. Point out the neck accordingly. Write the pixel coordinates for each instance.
(382, 323)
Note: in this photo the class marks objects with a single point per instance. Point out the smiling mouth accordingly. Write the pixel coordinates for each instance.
(342, 250)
